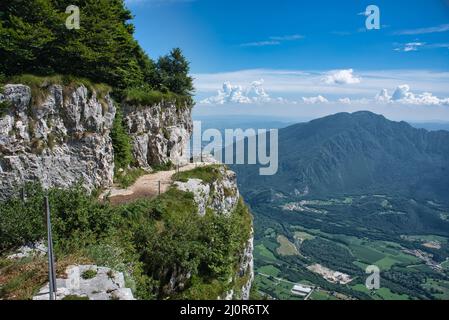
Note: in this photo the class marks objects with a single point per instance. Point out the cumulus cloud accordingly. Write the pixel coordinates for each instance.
(404, 95)
(383, 96)
(345, 100)
(315, 100)
(345, 76)
(254, 93)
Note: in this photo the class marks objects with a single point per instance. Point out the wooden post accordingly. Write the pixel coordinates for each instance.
(159, 187)
(50, 254)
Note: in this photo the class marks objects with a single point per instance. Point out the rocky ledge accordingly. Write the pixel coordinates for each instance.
(89, 282)
(221, 196)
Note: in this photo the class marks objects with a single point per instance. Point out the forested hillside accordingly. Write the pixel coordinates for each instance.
(34, 39)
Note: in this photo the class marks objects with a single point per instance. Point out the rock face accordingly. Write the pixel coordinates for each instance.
(160, 133)
(247, 268)
(100, 284)
(58, 141)
(30, 250)
(60, 136)
(222, 196)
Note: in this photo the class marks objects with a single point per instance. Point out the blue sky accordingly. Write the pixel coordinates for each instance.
(306, 58)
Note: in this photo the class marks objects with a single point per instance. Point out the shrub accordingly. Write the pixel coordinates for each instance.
(121, 143)
(127, 178)
(148, 240)
(145, 96)
(89, 274)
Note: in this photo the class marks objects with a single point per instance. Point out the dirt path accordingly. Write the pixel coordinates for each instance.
(147, 186)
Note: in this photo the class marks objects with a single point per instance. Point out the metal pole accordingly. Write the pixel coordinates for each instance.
(159, 187)
(23, 194)
(50, 254)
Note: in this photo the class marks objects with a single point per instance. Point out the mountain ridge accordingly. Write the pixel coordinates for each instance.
(359, 153)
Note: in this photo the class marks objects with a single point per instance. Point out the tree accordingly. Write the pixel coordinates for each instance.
(34, 39)
(173, 70)
(121, 142)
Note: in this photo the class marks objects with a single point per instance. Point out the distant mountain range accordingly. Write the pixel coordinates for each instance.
(359, 153)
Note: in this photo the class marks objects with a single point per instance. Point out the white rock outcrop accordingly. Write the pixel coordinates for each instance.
(221, 196)
(104, 284)
(160, 133)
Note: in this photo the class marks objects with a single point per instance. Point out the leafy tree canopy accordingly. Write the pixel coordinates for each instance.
(34, 39)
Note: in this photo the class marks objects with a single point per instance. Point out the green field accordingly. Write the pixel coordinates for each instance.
(275, 288)
(324, 241)
(381, 294)
(262, 252)
(269, 270)
(321, 295)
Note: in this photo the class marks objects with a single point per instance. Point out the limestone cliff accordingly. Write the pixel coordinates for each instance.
(159, 132)
(60, 135)
(57, 139)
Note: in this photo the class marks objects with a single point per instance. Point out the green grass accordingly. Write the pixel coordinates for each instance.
(128, 177)
(381, 294)
(386, 263)
(275, 288)
(361, 265)
(263, 252)
(163, 167)
(207, 174)
(39, 85)
(147, 97)
(89, 274)
(321, 295)
(426, 238)
(366, 254)
(269, 270)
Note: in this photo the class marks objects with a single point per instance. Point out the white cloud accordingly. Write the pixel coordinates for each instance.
(383, 96)
(345, 100)
(293, 85)
(404, 95)
(273, 41)
(437, 29)
(261, 43)
(254, 93)
(315, 100)
(411, 46)
(291, 37)
(345, 76)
